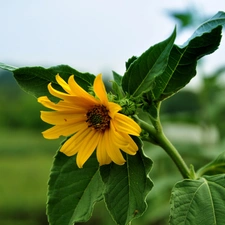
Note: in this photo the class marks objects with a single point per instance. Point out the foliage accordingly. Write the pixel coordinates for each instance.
(149, 80)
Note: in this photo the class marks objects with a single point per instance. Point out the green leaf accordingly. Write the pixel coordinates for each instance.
(214, 167)
(117, 85)
(182, 63)
(142, 72)
(127, 186)
(185, 18)
(34, 80)
(117, 78)
(130, 61)
(217, 20)
(7, 67)
(199, 202)
(73, 191)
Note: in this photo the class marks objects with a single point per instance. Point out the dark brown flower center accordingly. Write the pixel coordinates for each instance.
(98, 117)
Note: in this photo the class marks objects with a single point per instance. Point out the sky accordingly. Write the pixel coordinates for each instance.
(92, 35)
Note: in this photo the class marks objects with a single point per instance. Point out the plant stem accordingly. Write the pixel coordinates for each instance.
(161, 140)
(164, 142)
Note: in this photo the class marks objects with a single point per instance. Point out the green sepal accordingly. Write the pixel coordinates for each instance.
(127, 186)
(72, 191)
(199, 201)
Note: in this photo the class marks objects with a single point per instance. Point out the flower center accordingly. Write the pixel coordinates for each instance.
(98, 117)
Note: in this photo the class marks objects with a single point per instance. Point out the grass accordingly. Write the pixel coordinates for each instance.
(25, 142)
(25, 163)
(24, 181)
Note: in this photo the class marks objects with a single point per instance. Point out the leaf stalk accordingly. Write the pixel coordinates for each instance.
(160, 139)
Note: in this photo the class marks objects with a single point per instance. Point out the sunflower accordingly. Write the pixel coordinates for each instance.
(92, 122)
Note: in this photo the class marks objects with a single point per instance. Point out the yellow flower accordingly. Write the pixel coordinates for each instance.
(93, 122)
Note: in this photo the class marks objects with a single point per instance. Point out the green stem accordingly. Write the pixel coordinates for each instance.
(164, 142)
(161, 140)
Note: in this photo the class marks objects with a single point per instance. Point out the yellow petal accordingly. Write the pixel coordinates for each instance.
(63, 84)
(89, 144)
(113, 109)
(69, 147)
(123, 141)
(77, 141)
(99, 89)
(112, 150)
(129, 150)
(79, 91)
(85, 103)
(60, 106)
(46, 102)
(126, 125)
(62, 118)
(116, 137)
(132, 147)
(132, 143)
(57, 131)
(58, 94)
(101, 153)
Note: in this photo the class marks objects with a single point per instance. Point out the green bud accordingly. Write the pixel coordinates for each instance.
(128, 106)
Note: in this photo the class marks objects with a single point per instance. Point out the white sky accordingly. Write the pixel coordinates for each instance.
(91, 35)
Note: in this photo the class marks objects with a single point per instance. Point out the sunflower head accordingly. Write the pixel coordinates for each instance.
(92, 122)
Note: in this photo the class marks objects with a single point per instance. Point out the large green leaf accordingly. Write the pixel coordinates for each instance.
(142, 72)
(182, 63)
(34, 80)
(73, 191)
(199, 202)
(127, 186)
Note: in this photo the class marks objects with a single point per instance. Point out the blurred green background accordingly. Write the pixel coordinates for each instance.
(193, 119)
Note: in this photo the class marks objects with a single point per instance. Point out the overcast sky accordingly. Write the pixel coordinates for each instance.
(91, 35)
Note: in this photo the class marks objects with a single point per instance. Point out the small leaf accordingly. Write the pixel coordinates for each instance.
(142, 72)
(34, 80)
(214, 167)
(117, 85)
(199, 202)
(7, 67)
(117, 78)
(73, 191)
(127, 186)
